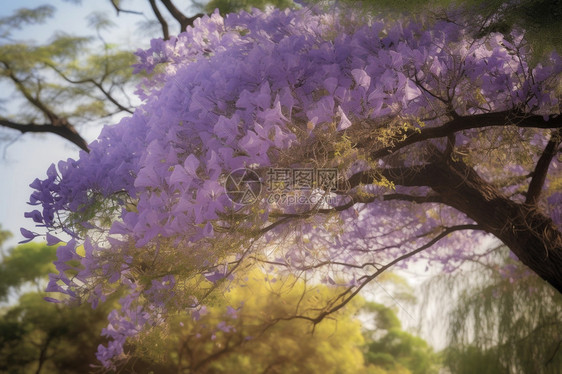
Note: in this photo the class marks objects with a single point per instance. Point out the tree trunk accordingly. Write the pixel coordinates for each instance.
(529, 234)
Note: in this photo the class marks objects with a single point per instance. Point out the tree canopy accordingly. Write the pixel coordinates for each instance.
(96, 78)
(373, 141)
(391, 349)
(71, 80)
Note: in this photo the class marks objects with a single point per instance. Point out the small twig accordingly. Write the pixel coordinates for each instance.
(120, 10)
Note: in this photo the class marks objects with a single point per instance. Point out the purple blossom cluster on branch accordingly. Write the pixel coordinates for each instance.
(398, 108)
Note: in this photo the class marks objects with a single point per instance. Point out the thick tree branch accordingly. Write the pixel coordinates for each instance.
(58, 125)
(161, 19)
(476, 121)
(541, 169)
(530, 234)
(62, 128)
(286, 217)
(25, 92)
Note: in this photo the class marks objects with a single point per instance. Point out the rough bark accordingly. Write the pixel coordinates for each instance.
(530, 234)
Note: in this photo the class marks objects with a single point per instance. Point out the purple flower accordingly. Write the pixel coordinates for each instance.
(52, 240)
(35, 216)
(27, 234)
(215, 276)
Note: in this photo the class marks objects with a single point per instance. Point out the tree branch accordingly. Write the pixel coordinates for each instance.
(213, 356)
(58, 125)
(547, 362)
(25, 92)
(412, 176)
(541, 169)
(119, 10)
(161, 19)
(62, 128)
(527, 231)
(504, 118)
(43, 352)
(179, 16)
(92, 81)
(380, 270)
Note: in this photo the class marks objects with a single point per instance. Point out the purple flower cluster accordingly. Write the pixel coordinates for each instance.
(248, 91)
(127, 322)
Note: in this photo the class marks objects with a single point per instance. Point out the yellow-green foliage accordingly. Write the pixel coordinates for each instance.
(69, 75)
(37, 336)
(263, 334)
(24, 264)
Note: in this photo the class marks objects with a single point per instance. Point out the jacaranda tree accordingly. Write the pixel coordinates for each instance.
(328, 145)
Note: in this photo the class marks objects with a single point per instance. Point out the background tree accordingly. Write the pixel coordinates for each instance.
(504, 321)
(430, 138)
(392, 349)
(41, 337)
(65, 83)
(250, 329)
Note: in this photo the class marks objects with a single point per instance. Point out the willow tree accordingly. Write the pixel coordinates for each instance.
(329, 145)
(506, 321)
